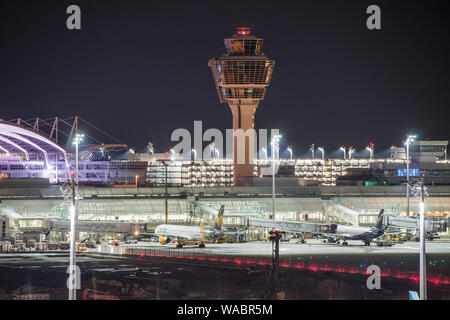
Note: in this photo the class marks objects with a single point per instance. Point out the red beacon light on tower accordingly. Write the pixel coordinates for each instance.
(243, 31)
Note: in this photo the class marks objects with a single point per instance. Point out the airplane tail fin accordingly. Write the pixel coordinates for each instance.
(219, 218)
(379, 223)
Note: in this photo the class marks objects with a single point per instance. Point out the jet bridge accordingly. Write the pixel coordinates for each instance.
(46, 225)
(413, 223)
(341, 212)
(318, 228)
(204, 207)
(99, 226)
(291, 226)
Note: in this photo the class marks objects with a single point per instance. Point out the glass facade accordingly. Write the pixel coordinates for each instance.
(243, 46)
(427, 148)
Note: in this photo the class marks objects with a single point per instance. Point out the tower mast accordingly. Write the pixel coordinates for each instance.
(241, 76)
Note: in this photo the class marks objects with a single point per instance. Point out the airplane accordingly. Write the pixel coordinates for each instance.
(364, 234)
(183, 235)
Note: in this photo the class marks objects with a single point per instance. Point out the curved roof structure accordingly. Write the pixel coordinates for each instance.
(17, 139)
(111, 146)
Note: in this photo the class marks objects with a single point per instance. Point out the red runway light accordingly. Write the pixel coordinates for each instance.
(287, 263)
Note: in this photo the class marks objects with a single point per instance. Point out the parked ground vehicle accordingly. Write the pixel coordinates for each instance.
(89, 242)
(31, 243)
(131, 241)
(64, 245)
(149, 237)
(225, 240)
(20, 245)
(53, 246)
(114, 242)
(429, 236)
(396, 238)
(383, 242)
(80, 247)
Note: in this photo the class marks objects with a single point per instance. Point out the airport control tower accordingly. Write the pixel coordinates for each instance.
(242, 75)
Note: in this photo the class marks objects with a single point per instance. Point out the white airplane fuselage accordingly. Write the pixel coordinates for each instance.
(357, 233)
(191, 233)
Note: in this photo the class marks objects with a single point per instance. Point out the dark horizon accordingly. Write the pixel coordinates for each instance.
(138, 69)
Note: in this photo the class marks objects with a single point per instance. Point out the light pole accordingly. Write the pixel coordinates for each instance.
(56, 167)
(73, 263)
(419, 190)
(370, 147)
(76, 141)
(73, 220)
(166, 195)
(312, 150)
(350, 152)
(343, 149)
(289, 148)
(150, 148)
(275, 145)
(409, 139)
(323, 152)
(423, 260)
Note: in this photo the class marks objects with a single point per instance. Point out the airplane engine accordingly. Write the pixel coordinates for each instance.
(163, 240)
(331, 240)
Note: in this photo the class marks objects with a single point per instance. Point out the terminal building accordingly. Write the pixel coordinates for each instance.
(303, 172)
(26, 153)
(33, 168)
(338, 204)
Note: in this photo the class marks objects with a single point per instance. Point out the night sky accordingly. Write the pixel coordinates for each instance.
(138, 69)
